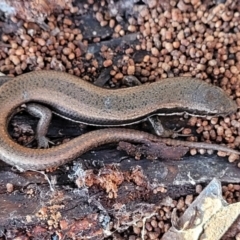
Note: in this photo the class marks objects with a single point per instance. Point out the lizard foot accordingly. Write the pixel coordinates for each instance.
(43, 142)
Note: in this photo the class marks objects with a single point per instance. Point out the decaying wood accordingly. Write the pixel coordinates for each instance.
(98, 184)
(79, 199)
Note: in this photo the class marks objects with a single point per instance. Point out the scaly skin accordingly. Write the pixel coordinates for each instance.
(78, 100)
(38, 159)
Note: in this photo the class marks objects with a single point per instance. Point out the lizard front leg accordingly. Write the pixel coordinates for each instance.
(161, 131)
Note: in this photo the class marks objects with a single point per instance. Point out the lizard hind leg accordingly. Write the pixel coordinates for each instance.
(45, 115)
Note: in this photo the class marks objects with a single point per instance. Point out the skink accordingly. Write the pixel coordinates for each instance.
(81, 101)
